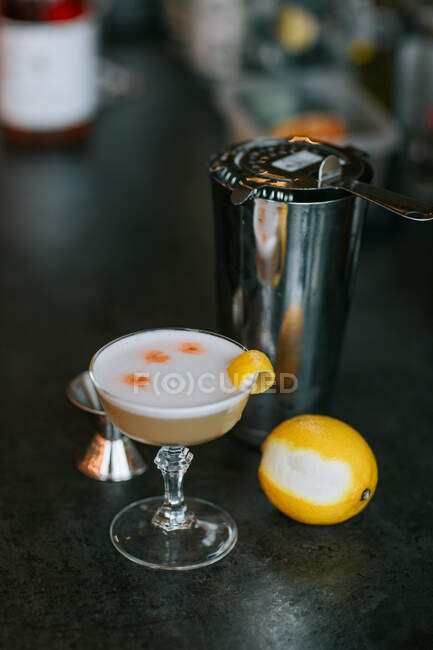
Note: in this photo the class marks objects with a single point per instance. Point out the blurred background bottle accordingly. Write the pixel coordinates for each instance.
(209, 35)
(48, 58)
(367, 39)
(414, 92)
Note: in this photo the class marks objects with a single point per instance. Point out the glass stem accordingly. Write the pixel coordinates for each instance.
(173, 461)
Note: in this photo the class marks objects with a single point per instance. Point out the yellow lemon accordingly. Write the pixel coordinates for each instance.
(247, 364)
(297, 29)
(317, 469)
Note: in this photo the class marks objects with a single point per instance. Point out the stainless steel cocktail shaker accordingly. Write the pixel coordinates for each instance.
(286, 252)
(288, 217)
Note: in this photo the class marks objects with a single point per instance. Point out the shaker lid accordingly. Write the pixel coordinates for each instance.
(286, 170)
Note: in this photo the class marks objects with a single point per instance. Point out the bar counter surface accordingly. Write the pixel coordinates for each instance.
(117, 236)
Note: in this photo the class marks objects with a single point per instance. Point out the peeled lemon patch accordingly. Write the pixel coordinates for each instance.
(307, 474)
(317, 469)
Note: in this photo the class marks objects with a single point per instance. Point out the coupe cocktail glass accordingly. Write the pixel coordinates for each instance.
(169, 387)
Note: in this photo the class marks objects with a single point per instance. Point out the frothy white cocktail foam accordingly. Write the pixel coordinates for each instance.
(172, 370)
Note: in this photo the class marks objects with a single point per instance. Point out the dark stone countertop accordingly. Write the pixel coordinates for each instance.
(116, 237)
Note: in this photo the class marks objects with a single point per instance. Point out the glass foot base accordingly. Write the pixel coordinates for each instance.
(210, 538)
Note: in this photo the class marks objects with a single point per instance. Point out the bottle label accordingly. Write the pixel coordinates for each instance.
(48, 73)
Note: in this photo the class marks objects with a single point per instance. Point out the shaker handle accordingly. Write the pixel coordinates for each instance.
(398, 203)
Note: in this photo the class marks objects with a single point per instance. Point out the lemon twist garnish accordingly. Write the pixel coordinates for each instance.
(248, 364)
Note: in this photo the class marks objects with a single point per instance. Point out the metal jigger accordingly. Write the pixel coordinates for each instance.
(110, 456)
